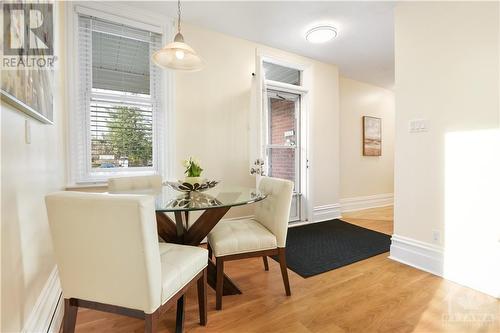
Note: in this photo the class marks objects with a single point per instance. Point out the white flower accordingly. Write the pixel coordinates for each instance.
(186, 163)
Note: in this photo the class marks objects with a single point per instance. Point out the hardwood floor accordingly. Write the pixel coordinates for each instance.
(374, 295)
(378, 219)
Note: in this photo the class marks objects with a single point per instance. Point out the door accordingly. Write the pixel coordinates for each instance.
(282, 146)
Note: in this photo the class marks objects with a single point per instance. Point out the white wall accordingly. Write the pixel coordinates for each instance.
(447, 71)
(211, 123)
(212, 113)
(365, 175)
(29, 172)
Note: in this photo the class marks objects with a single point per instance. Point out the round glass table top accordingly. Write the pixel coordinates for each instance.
(169, 200)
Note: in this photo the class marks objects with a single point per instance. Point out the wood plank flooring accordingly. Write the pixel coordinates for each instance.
(374, 295)
(378, 219)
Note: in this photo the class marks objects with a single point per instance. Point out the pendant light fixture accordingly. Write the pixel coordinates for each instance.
(178, 55)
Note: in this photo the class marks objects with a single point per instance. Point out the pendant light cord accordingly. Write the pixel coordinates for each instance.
(178, 15)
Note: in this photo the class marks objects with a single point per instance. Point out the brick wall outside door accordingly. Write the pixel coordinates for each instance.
(282, 120)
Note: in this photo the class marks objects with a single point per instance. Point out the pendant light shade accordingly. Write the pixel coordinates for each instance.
(178, 55)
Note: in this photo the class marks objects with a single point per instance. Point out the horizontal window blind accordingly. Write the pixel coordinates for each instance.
(119, 63)
(119, 103)
(281, 73)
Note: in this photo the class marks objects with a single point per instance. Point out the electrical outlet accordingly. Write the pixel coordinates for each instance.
(436, 236)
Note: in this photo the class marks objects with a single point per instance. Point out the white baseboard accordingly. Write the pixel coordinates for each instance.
(366, 202)
(421, 255)
(47, 313)
(430, 258)
(326, 212)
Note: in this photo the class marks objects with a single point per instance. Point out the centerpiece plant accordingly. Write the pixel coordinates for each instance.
(193, 171)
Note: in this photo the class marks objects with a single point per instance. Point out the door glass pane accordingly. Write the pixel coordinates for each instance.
(283, 142)
(282, 123)
(282, 163)
(295, 209)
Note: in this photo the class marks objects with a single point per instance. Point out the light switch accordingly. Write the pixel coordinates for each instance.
(418, 125)
(27, 131)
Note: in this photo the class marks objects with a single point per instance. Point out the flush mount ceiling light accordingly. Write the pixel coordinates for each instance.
(321, 34)
(177, 54)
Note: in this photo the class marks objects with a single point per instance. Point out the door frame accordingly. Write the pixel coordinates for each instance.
(297, 148)
(305, 109)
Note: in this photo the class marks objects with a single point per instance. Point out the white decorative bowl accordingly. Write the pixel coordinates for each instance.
(183, 186)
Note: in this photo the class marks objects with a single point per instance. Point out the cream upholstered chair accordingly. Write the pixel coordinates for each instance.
(265, 235)
(134, 183)
(109, 258)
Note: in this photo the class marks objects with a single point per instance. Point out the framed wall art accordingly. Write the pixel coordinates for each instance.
(372, 136)
(28, 59)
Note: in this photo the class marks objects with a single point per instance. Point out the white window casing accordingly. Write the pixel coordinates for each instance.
(94, 91)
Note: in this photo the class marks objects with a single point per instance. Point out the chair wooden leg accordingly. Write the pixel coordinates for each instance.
(284, 272)
(266, 264)
(151, 324)
(209, 251)
(179, 321)
(70, 312)
(202, 297)
(219, 263)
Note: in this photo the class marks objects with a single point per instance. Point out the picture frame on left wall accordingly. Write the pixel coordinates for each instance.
(28, 67)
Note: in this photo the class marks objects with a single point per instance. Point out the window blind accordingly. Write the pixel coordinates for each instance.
(281, 73)
(118, 100)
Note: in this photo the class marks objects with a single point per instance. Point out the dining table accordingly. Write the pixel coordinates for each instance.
(173, 210)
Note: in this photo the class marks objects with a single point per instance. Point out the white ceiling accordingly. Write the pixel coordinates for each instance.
(363, 50)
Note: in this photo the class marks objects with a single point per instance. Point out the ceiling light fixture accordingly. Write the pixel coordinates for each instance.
(177, 54)
(321, 34)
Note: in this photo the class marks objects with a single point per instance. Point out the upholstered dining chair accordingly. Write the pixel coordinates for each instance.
(109, 258)
(134, 183)
(262, 236)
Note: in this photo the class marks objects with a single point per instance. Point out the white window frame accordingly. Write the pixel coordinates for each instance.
(122, 14)
(304, 90)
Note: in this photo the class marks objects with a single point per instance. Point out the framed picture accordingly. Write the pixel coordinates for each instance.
(27, 68)
(372, 136)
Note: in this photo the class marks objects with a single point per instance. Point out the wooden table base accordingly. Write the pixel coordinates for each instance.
(228, 287)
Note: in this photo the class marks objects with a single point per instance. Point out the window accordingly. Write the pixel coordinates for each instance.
(282, 74)
(117, 124)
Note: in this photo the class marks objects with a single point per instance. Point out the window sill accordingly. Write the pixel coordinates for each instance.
(87, 186)
(99, 181)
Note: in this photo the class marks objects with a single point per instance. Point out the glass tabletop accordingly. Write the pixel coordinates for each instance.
(169, 200)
